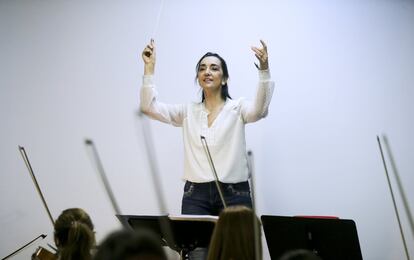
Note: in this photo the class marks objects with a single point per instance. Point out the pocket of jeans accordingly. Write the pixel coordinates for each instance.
(238, 190)
(188, 189)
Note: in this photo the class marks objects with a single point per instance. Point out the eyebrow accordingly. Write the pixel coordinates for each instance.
(212, 64)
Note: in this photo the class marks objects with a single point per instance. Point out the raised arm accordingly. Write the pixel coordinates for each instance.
(253, 111)
(171, 114)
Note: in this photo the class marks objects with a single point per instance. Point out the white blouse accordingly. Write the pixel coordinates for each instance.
(225, 137)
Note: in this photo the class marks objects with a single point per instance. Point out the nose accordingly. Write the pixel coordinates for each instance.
(207, 71)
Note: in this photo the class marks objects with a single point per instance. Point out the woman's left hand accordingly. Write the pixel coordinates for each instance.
(262, 56)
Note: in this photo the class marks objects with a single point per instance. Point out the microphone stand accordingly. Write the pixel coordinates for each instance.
(393, 198)
(24, 246)
(213, 169)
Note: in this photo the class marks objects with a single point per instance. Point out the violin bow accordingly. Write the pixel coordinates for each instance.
(393, 198)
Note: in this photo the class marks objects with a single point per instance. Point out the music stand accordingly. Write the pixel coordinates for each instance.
(327, 237)
(188, 231)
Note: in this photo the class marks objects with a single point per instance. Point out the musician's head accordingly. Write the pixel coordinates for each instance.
(74, 235)
(212, 75)
(128, 245)
(234, 235)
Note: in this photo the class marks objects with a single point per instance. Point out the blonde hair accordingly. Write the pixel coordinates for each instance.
(234, 235)
(74, 235)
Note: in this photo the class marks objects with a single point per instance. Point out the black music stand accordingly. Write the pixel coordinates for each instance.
(188, 231)
(329, 238)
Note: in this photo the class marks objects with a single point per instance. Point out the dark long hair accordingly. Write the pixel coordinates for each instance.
(74, 234)
(224, 88)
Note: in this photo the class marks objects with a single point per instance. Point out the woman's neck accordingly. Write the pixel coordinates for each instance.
(213, 101)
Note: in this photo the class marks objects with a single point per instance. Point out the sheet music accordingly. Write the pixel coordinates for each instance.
(194, 217)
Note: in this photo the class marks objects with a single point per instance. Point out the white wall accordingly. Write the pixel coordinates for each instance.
(71, 69)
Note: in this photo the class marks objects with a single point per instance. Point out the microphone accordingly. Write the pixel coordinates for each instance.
(213, 169)
(24, 246)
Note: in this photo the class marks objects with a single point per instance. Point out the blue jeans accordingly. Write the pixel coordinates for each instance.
(204, 199)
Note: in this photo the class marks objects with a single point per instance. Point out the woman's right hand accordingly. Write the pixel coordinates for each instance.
(148, 56)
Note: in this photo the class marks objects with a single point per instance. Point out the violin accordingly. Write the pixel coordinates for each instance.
(43, 254)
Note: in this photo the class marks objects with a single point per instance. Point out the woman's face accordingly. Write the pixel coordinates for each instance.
(210, 73)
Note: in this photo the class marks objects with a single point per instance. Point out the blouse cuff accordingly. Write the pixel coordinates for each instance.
(264, 75)
(147, 80)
